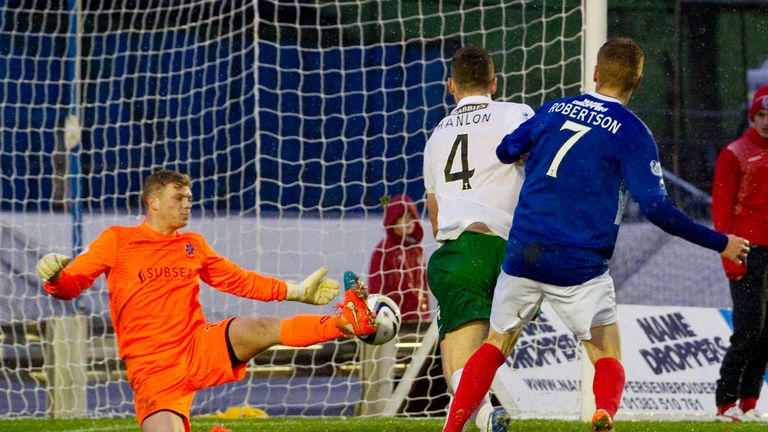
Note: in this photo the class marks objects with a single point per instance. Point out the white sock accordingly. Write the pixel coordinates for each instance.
(483, 412)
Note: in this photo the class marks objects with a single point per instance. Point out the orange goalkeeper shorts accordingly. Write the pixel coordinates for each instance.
(168, 381)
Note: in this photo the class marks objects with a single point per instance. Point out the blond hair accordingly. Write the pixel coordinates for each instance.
(162, 178)
(620, 64)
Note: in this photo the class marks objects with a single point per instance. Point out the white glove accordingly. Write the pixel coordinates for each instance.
(315, 289)
(50, 265)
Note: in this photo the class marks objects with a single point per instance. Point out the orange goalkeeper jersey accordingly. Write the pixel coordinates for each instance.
(154, 282)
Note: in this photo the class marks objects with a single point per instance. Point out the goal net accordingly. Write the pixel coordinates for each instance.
(293, 119)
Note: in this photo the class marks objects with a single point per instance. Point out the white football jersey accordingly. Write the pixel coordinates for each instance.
(462, 170)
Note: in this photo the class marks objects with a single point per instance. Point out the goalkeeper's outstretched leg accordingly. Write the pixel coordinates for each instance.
(251, 336)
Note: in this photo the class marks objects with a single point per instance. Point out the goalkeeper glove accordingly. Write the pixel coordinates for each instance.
(50, 265)
(315, 289)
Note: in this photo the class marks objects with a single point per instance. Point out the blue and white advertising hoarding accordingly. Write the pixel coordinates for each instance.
(671, 356)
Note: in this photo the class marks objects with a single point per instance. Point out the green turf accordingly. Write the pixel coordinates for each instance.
(361, 425)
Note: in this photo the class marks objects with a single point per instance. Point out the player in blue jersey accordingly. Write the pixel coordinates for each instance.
(584, 154)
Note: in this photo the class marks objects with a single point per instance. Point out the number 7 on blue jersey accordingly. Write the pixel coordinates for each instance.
(580, 130)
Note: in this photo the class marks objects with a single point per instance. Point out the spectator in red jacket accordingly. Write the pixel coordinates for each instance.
(397, 264)
(397, 271)
(740, 207)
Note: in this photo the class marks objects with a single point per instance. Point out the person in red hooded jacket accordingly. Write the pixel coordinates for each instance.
(740, 206)
(398, 271)
(397, 264)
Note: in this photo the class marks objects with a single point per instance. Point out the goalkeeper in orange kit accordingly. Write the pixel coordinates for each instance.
(153, 273)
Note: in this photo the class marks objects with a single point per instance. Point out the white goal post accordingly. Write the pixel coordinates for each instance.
(292, 118)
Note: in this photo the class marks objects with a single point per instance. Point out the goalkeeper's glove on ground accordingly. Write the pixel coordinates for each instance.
(50, 265)
(315, 289)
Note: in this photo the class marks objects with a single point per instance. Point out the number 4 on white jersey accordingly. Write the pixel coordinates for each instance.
(461, 142)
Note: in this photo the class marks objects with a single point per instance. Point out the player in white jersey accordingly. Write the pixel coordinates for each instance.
(471, 197)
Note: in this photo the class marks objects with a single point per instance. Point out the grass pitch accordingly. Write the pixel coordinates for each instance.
(312, 424)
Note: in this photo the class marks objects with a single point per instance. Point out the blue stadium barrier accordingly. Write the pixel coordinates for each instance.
(335, 128)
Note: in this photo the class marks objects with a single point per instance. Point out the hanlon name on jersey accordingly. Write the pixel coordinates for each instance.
(461, 116)
(586, 113)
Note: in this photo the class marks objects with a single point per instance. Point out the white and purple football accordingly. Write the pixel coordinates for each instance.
(387, 316)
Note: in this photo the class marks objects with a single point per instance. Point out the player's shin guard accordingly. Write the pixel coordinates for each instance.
(608, 384)
(475, 381)
(305, 330)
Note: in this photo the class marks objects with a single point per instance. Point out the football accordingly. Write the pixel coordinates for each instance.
(387, 316)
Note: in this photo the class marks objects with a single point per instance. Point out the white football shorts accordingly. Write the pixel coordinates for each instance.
(581, 307)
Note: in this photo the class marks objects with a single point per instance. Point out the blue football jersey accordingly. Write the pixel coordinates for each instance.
(584, 153)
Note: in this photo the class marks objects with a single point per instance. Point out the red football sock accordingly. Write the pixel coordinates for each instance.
(475, 381)
(747, 404)
(608, 384)
(721, 409)
(305, 330)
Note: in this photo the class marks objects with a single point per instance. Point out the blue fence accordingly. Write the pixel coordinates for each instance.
(322, 129)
